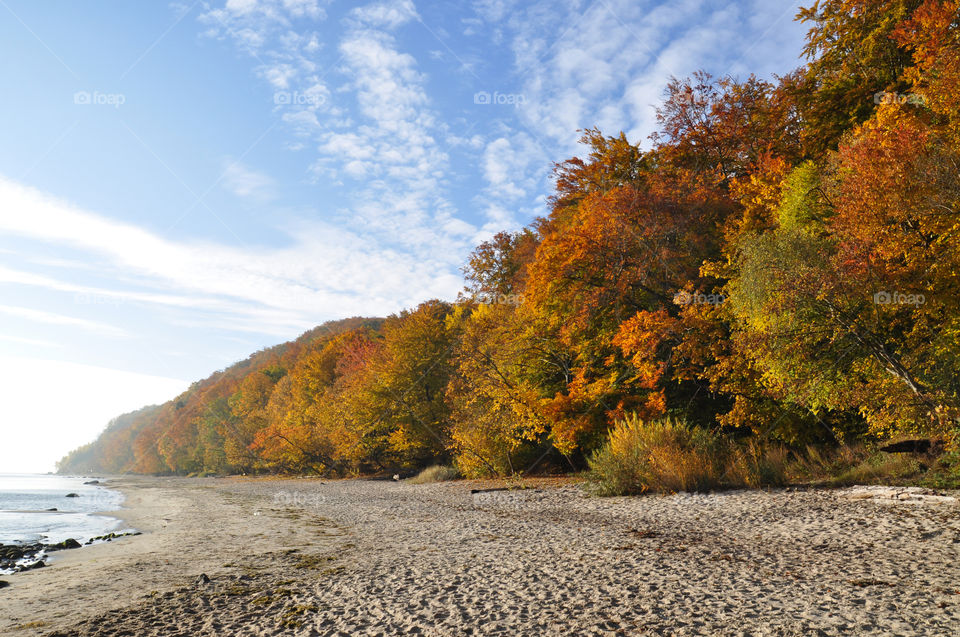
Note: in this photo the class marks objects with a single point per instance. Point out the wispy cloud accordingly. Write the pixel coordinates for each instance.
(389, 15)
(578, 65)
(245, 182)
(54, 318)
(324, 271)
(383, 130)
(32, 342)
(361, 102)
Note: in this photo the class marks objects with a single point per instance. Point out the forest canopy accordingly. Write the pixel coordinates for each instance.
(782, 262)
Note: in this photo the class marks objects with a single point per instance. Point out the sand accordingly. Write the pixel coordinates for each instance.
(306, 557)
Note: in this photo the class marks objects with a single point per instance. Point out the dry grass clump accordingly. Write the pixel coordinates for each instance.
(663, 455)
(882, 468)
(854, 464)
(669, 455)
(755, 465)
(436, 473)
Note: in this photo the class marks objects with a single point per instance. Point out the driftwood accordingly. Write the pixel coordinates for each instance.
(908, 446)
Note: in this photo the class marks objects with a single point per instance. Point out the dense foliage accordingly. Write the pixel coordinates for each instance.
(783, 263)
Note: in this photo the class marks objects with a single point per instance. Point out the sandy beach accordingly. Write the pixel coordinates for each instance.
(310, 557)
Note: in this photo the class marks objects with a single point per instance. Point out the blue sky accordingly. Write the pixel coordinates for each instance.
(184, 183)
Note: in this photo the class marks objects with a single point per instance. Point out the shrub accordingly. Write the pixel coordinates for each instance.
(880, 468)
(757, 465)
(664, 455)
(946, 471)
(820, 464)
(669, 455)
(436, 473)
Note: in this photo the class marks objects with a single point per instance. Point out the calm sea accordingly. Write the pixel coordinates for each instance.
(25, 500)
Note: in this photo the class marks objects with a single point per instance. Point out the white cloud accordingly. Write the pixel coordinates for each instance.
(609, 62)
(372, 122)
(54, 318)
(324, 272)
(582, 64)
(304, 8)
(261, 15)
(246, 182)
(279, 75)
(22, 340)
(388, 15)
(387, 83)
(241, 7)
(349, 145)
(510, 167)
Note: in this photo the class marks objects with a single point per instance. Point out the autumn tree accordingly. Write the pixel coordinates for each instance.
(848, 304)
(723, 128)
(854, 56)
(247, 417)
(398, 404)
(606, 256)
(933, 34)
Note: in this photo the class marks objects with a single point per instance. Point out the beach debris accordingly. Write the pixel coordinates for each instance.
(915, 495)
(203, 580)
(396, 477)
(92, 482)
(4, 584)
(870, 582)
(72, 495)
(643, 533)
(908, 446)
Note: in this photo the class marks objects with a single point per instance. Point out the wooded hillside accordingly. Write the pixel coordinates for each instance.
(784, 263)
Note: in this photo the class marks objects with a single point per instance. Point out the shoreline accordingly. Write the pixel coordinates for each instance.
(261, 557)
(180, 540)
(38, 548)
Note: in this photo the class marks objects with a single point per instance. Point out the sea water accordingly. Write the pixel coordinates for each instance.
(26, 500)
